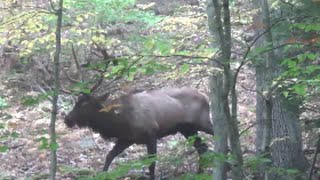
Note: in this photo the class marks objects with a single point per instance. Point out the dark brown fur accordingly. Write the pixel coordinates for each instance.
(144, 117)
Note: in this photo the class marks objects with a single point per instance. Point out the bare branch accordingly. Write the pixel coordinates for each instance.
(76, 62)
(52, 6)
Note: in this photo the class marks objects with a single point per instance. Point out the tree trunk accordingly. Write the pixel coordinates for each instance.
(53, 138)
(277, 117)
(221, 84)
(220, 125)
(286, 149)
(217, 91)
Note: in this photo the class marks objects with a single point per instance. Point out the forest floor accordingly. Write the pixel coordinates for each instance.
(82, 152)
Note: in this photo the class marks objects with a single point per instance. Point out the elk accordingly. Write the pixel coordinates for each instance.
(144, 117)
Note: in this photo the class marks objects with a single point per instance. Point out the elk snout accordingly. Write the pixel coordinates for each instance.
(68, 121)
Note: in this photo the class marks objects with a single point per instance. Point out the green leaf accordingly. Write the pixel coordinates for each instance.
(292, 171)
(149, 71)
(184, 68)
(4, 148)
(300, 89)
(291, 64)
(54, 146)
(311, 56)
(14, 134)
(29, 101)
(79, 19)
(301, 57)
(34, 100)
(312, 68)
(44, 143)
(3, 103)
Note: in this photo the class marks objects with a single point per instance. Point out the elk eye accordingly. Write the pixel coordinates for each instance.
(82, 97)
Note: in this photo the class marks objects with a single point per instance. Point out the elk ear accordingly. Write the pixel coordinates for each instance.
(103, 98)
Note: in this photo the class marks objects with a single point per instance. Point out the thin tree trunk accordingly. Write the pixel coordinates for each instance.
(53, 140)
(216, 90)
(220, 125)
(235, 136)
(221, 83)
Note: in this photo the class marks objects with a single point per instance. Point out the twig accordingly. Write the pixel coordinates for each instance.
(174, 55)
(245, 60)
(75, 58)
(198, 84)
(52, 6)
(247, 128)
(256, 91)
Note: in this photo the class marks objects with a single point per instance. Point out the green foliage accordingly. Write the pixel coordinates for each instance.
(152, 66)
(111, 11)
(35, 100)
(285, 172)
(6, 135)
(254, 162)
(122, 169)
(14, 135)
(301, 75)
(44, 143)
(76, 171)
(35, 34)
(210, 159)
(3, 148)
(81, 87)
(30, 36)
(300, 78)
(54, 146)
(155, 44)
(307, 27)
(184, 68)
(201, 176)
(3, 103)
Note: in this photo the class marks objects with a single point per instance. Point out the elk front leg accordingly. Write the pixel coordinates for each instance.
(201, 148)
(152, 151)
(198, 144)
(118, 148)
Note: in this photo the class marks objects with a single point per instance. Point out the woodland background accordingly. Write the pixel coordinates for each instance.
(261, 56)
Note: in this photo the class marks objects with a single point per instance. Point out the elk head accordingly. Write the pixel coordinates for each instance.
(86, 108)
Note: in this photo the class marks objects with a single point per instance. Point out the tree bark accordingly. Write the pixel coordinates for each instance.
(286, 149)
